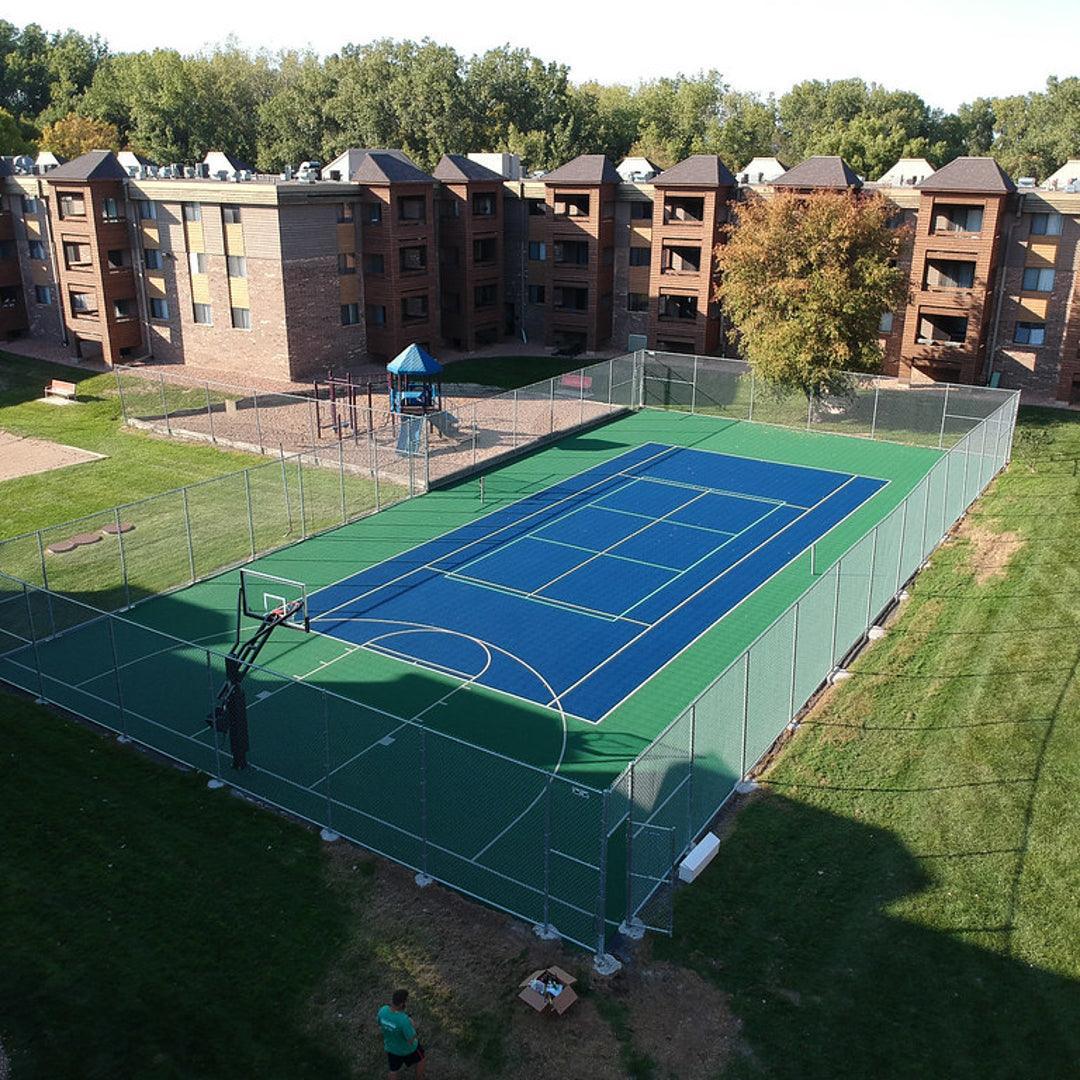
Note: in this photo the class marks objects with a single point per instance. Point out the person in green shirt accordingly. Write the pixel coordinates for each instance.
(400, 1040)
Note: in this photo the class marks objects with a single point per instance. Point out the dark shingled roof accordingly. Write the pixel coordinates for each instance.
(584, 169)
(820, 172)
(970, 174)
(700, 170)
(388, 167)
(456, 168)
(94, 165)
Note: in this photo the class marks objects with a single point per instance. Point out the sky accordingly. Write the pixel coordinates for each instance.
(948, 53)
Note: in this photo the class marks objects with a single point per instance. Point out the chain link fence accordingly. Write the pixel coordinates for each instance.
(546, 848)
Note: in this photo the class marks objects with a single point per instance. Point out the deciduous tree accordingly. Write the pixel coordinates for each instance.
(74, 135)
(806, 279)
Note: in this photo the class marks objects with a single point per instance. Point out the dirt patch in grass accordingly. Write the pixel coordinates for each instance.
(24, 456)
(462, 965)
(991, 552)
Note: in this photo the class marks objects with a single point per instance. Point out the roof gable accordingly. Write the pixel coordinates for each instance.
(388, 167)
(700, 170)
(820, 172)
(458, 168)
(584, 169)
(970, 174)
(94, 165)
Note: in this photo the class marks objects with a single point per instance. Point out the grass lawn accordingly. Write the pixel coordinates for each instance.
(510, 372)
(901, 898)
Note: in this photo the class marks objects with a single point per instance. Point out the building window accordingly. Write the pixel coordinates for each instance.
(641, 211)
(147, 210)
(414, 308)
(486, 295)
(949, 274)
(949, 217)
(159, 308)
(950, 330)
(572, 205)
(1045, 224)
(199, 262)
(237, 265)
(640, 256)
(373, 213)
(345, 212)
(7, 249)
(83, 303)
(110, 210)
(30, 205)
(203, 315)
(571, 298)
(376, 314)
(374, 264)
(117, 258)
(537, 250)
(43, 294)
(241, 318)
(350, 314)
(412, 208)
(413, 258)
(124, 308)
(484, 250)
(152, 258)
(536, 294)
(192, 211)
(72, 205)
(885, 323)
(1029, 333)
(230, 214)
(76, 256)
(1038, 279)
(448, 208)
(571, 252)
(9, 296)
(637, 301)
(37, 249)
(678, 307)
(483, 205)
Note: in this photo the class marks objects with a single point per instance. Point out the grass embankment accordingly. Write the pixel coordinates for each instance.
(141, 472)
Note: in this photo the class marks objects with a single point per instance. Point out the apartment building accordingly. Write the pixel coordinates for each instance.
(284, 276)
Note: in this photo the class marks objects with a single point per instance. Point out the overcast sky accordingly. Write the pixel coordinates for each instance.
(949, 53)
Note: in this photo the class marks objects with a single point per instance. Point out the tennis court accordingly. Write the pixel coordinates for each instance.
(488, 661)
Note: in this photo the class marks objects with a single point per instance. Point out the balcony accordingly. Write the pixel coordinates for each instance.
(413, 260)
(684, 211)
(571, 301)
(572, 206)
(676, 259)
(678, 308)
(571, 253)
(942, 331)
(957, 218)
(483, 205)
(949, 274)
(485, 251)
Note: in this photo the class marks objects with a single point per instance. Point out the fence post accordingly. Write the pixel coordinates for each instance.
(514, 437)
(423, 805)
(187, 529)
(835, 616)
(551, 397)
(794, 660)
(411, 456)
(601, 900)
(903, 537)
(873, 417)
(326, 762)
(629, 844)
(870, 582)
(375, 469)
(116, 677)
(250, 511)
(945, 519)
(425, 445)
(751, 415)
(45, 582)
(210, 413)
(926, 510)
(547, 854)
(475, 434)
(120, 394)
(41, 699)
(165, 404)
(690, 775)
(809, 408)
(123, 558)
(285, 486)
(745, 714)
(693, 387)
(341, 477)
(300, 485)
(581, 397)
(312, 406)
(258, 420)
(610, 380)
(944, 413)
(211, 698)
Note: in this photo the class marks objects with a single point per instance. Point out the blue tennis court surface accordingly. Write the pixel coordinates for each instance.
(576, 595)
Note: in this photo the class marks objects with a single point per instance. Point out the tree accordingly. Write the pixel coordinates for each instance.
(13, 136)
(74, 135)
(805, 280)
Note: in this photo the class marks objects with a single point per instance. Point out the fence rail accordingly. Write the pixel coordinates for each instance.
(585, 859)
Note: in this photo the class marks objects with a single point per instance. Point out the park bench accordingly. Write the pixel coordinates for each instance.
(60, 388)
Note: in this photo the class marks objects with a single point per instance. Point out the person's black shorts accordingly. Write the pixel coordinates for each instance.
(396, 1060)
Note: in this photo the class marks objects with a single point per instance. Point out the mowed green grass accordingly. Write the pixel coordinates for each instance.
(901, 897)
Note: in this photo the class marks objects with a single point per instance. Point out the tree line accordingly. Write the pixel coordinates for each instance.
(66, 92)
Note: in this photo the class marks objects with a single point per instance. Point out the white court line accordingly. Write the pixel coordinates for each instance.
(149, 655)
(611, 555)
(314, 671)
(574, 858)
(636, 532)
(707, 585)
(681, 524)
(646, 478)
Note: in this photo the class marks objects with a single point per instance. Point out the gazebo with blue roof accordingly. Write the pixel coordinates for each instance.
(414, 382)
